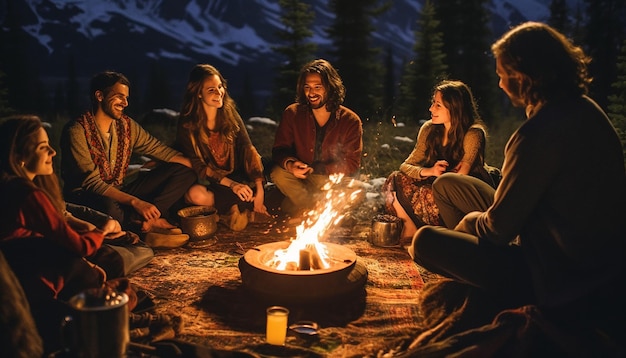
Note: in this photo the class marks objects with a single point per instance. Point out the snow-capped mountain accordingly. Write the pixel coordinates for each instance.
(237, 36)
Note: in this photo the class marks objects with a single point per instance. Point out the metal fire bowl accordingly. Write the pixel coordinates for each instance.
(345, 276)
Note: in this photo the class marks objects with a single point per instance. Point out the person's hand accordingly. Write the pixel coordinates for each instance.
(259, 206)
(300, 169)
(79, 225)
(124, 237)
(147, 210)
(439, 168)
(113, 235)
(82, 226)
(468, 223)
(243, 191)
(112, 226)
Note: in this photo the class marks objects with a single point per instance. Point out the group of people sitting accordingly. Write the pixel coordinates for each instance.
(547, 234)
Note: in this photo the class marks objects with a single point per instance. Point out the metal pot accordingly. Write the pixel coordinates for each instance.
(385, 231)
(99, 325)
(199, 222)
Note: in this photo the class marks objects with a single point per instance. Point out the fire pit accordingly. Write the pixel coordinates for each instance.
(304, 269)
(311, 283)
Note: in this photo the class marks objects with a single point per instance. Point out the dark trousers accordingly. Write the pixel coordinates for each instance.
(456, 195)
(163, 186)
(500, 270)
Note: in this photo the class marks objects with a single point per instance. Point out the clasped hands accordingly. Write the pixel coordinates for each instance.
(440, 167)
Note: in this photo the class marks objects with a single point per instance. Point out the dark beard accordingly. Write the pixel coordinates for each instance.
(109, 112)
(322, 104)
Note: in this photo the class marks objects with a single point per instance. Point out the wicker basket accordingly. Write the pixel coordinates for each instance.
(199, 222)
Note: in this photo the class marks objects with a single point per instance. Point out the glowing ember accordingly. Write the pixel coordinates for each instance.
(306, 252)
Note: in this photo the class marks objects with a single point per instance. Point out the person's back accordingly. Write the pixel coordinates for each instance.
(554, 235)
(565, 216)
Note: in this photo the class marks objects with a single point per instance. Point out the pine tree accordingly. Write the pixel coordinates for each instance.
(389, 86)
(158, 94)
(559, 17)
(578, 32)
(604, 33)
(358, 62)
(5, 108)
(297, 18)
(467, 45)
(72, 96)
(617, 100)
(18, 62)
(428, 67)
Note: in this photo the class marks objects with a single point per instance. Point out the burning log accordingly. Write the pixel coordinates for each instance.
(310, 259)
(316, 260)
(305, 260)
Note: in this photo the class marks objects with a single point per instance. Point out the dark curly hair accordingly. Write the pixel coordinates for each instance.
(331, 80)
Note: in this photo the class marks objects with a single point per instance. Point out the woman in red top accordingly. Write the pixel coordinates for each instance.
(44, 252)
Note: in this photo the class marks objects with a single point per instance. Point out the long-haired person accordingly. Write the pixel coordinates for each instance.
(317, 137)
(554, 237)
(452, 141)
(212, 134)
(46, 254)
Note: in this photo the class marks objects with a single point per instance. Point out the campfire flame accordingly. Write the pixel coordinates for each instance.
(306, 251)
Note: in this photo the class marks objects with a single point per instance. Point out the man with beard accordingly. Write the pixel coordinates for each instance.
(553, 237)
(97, 149)
(316, 137)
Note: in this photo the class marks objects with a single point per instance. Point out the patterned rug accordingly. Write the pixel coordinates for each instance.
(202, 283)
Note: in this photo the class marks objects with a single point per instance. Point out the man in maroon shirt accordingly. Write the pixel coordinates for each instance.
(316, 137)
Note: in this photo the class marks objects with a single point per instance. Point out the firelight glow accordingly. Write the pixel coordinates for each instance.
(311, 231)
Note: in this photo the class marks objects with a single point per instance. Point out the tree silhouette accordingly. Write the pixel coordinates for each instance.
(559, 18)
(72, 97)
(5, 108)
(157, 94)
(423, 72)
(605, 31)
(357, 61)
(466, 43)
(389, 87)
(297, 19)
(617, 100)
(246, 104)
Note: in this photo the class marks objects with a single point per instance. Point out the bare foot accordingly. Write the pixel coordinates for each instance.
(159, 223)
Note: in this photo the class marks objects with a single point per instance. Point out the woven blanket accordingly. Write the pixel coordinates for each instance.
(202, 282)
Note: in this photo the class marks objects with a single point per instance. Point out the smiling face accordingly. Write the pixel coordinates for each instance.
(114, 101)
(40, 161)
(212, 93)
(439, 114)
(315, 91)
